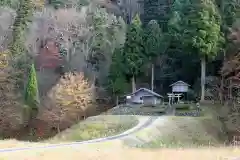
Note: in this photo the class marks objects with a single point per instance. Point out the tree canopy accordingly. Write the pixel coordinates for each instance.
(153, 39)
(198, 24)
(133, 52)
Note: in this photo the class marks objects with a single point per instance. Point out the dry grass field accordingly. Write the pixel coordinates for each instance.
(174, 131)
(117, 152)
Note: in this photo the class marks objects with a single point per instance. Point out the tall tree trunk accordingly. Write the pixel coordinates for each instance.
(221, 90)
(116, 100)
(203, 77)
(133, 84)
(230, 90)
(152, 78)
(222, 83)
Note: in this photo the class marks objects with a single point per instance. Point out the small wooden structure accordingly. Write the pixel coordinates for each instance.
(180, 87)
(144, 96)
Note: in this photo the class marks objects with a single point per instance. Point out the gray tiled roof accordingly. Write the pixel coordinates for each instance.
(147, 90)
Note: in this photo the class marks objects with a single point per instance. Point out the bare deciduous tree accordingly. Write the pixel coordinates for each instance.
(82, 35)
(7, 16)
(69, 100)
(12, 111)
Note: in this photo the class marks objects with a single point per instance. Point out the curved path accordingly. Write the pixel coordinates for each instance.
(143, 123)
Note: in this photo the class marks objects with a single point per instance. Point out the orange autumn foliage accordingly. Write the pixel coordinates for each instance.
(68, 100)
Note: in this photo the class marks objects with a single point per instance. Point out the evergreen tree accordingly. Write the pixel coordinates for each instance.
(133, 50)
(229, 11)
(117, 78)
(153, 40)
(10, 3)
(150, 11)
(56, 3)
(157, 10)
(198, 24)
(31, 93)
(24, 14)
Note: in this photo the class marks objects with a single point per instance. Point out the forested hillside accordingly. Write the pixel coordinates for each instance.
(63, 59)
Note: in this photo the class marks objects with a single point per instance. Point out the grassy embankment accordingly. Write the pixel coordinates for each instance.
(96, 127)
(187, 131)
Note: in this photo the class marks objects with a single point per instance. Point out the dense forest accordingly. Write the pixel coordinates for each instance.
(62, 59)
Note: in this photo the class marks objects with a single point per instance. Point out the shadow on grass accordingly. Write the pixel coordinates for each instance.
(188, 132)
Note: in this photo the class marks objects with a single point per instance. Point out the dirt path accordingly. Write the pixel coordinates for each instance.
(117, 149)
(14, 146)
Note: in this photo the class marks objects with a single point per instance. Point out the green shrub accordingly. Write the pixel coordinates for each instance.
(149, 105)
(31, 95)
(182, 106)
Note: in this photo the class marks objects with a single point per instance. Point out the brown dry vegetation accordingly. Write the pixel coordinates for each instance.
(68, 101)
(227, 88)
(116, 152)
(12, 110)
(54, 111)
